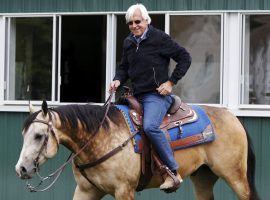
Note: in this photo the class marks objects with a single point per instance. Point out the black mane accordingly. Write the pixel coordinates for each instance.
(90, 117)
(29, 120)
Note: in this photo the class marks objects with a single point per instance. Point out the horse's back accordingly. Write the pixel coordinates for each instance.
(226, 125)
(230, 144)
(229, 150)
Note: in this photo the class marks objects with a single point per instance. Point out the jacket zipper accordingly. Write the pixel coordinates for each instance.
(137, 44)
(154, 74)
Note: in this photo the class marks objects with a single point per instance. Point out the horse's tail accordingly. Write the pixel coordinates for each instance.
(251, 162)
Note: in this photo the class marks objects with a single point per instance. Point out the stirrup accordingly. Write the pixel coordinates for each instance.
(176, 180)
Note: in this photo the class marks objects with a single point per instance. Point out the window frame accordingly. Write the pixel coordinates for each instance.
(7, 61)
(221, 14)
(245, 106)
(56, 56)
(2, 57)
(231, 76)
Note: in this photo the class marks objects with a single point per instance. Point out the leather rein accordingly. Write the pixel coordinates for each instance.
(71, 157)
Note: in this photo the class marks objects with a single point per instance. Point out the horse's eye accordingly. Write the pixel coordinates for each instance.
(38, 136)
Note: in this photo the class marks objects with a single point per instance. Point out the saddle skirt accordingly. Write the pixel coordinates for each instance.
(197, 129)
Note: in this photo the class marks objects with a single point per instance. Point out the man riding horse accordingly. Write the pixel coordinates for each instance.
(145, 60)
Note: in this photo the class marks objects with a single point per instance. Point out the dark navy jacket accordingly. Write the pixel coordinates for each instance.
(147, 63)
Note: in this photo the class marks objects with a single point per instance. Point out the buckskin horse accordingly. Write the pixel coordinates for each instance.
(85, 131)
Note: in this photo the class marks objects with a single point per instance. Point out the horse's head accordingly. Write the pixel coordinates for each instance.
(39, 142)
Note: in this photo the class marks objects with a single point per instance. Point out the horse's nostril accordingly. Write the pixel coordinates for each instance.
(23, 170)
(23, 173)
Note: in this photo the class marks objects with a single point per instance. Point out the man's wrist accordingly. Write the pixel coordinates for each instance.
(171, 83)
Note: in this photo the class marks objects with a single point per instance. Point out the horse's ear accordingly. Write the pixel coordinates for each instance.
(31, 108)
(44, 108)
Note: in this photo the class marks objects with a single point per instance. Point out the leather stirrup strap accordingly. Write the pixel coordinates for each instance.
(146, 171)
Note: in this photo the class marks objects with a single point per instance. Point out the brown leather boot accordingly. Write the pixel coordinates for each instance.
(171, 183)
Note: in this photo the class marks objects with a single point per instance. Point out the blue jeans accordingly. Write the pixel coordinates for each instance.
(155, 107)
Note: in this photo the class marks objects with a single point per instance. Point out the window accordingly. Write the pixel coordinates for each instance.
(29, 63)
(201, 36)
(256, 63)
(83, 58)
(60, 59)
(72, 58)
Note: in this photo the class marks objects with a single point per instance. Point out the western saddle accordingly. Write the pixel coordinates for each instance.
(179, 113)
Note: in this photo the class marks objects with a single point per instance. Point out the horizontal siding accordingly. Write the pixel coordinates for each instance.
(10, 147)
(259, 130)
(11, 187)
(32, 6)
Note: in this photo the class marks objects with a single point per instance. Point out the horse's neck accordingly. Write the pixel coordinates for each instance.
(99, 144)
(106, 140)
(68, 138)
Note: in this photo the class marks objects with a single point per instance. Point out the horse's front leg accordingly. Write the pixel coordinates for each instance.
(125, 192)
(85, 190)
(90, 194)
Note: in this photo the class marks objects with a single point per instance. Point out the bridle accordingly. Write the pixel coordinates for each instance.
(45, 142)
(55, 174)
(71, 157)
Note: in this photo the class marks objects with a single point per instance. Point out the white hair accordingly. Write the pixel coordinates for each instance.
(133, 8)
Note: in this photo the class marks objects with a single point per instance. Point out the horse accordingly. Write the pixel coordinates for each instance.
(91, 131)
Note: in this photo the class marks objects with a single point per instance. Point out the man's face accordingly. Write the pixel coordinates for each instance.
(137, 24)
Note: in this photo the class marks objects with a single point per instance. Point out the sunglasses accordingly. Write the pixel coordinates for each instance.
(136, 22)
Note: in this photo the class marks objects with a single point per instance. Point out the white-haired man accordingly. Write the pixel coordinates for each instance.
(145, 61)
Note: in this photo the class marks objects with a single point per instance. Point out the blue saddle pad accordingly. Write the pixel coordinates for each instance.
(188, 130)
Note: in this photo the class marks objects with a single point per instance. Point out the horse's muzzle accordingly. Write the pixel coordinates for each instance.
(23, 173)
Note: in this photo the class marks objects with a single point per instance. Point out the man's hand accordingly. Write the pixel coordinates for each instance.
(165, 88)
(114, 85)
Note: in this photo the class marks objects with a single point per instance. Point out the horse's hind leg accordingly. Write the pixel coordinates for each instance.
(234, 172)
(239, 183)
(204, 180)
